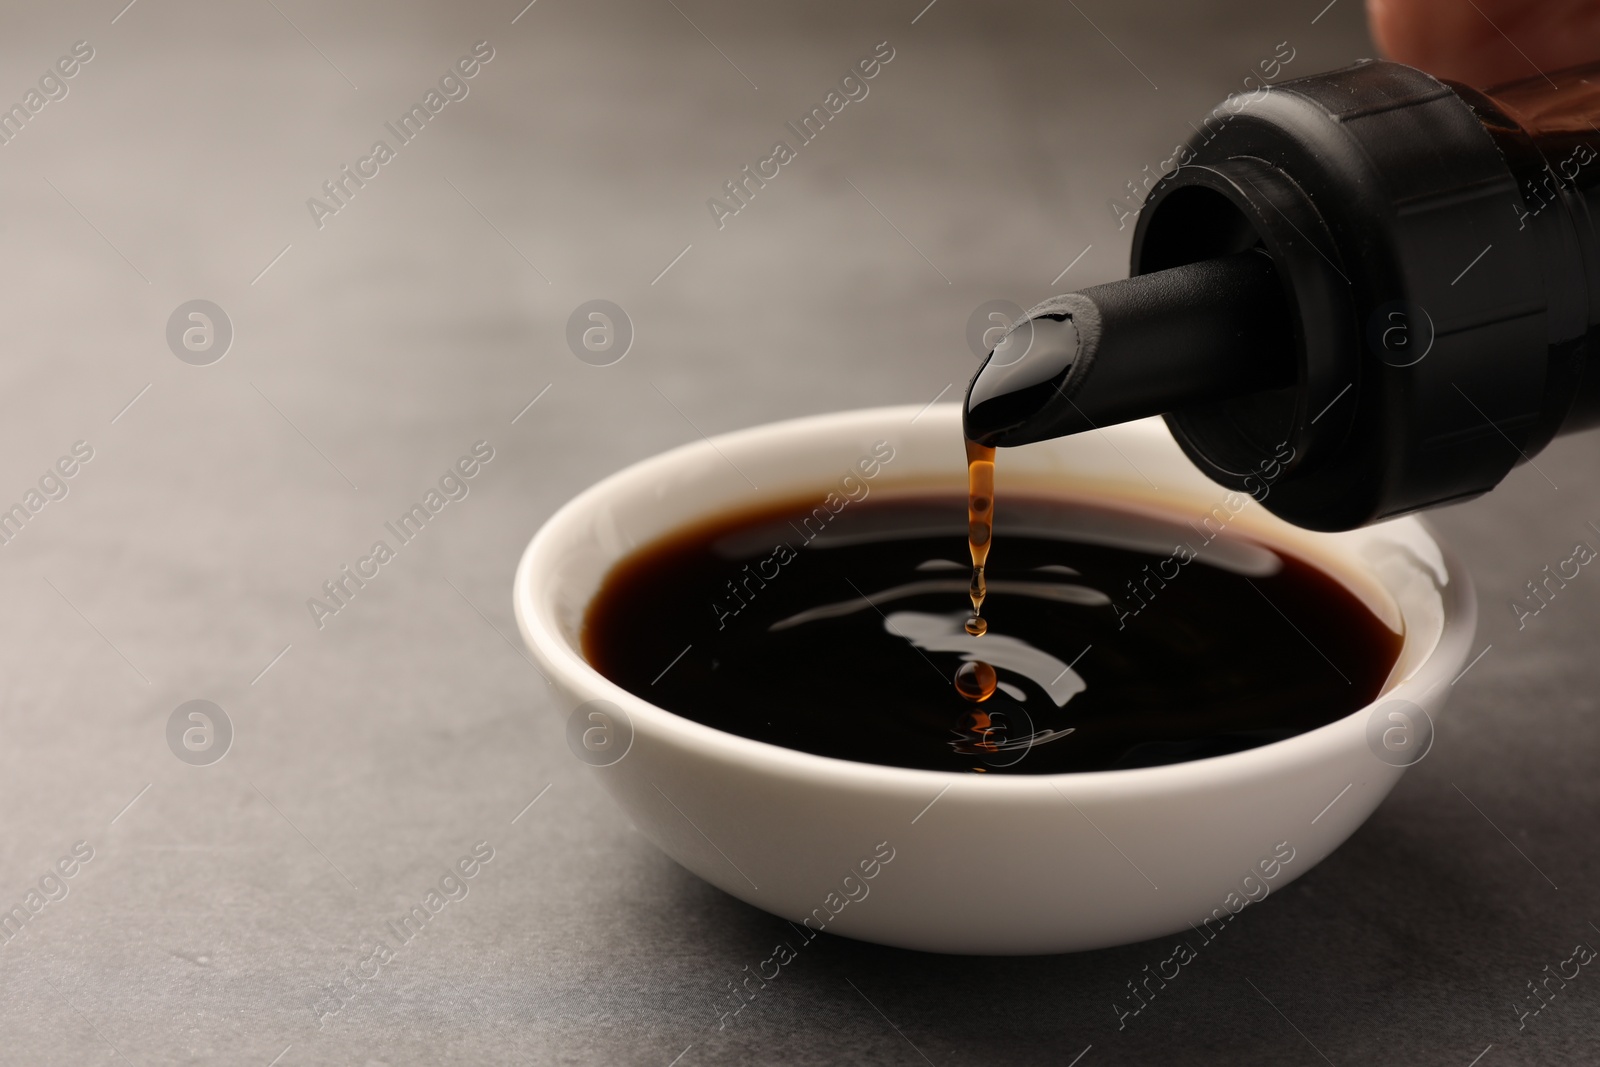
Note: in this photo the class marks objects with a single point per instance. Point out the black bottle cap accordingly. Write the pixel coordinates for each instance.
(1395, 355)
(1393, 217)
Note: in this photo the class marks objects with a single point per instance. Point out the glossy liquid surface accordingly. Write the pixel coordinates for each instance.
(1106, 650)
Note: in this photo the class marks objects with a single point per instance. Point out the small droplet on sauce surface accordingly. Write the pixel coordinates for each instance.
(975, 680)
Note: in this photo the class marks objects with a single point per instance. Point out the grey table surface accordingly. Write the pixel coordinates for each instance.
(372, 350)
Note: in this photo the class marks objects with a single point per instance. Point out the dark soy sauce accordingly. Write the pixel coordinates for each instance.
(1104, 650)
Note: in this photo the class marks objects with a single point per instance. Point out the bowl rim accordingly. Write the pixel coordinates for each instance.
(558, 658)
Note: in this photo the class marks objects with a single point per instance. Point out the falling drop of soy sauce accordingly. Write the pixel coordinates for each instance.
(975, 680)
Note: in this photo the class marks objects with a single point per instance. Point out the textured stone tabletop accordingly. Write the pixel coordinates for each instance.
(377, 339)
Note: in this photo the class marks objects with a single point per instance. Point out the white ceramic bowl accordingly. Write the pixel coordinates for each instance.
(996, 864)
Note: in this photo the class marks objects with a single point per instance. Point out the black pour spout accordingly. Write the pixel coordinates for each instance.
(1142, 346)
